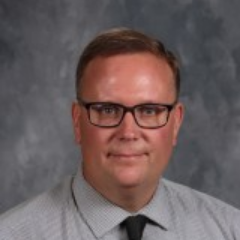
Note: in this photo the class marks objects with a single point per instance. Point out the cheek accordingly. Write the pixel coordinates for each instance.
(89, 137)
(162, 143)
(94, 140)
(165, 136)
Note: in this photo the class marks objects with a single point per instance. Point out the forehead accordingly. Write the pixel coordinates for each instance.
(139, 75)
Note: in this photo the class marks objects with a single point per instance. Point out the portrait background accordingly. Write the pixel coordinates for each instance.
(40, 42)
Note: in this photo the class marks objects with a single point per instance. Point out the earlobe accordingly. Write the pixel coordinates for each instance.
(76, 112)
(178, 119)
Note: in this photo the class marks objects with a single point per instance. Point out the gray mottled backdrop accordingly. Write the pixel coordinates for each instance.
(40, 42)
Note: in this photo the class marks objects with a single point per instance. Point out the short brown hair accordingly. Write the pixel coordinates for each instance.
(123, 41)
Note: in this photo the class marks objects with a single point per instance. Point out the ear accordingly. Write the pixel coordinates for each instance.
(76, 112)
(178, 119)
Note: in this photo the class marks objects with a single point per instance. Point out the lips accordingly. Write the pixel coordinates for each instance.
(128, 152)
(126, 155)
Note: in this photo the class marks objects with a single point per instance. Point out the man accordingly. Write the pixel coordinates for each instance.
(126, 119)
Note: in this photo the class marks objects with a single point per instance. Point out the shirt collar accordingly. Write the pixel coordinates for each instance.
(102, 216)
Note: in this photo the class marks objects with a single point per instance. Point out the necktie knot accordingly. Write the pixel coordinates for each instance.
(135, 226)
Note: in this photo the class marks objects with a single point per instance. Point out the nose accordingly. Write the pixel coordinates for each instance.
(128, 129)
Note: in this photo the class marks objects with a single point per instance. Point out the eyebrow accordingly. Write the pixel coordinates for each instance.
(118, 103)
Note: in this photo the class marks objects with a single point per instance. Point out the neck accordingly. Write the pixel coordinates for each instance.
(131, 199)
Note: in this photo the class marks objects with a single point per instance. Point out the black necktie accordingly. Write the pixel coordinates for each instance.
(135, 226)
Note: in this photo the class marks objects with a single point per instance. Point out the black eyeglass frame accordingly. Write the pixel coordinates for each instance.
(126, 109)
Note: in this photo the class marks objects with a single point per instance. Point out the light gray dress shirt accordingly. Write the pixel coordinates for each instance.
(75, 211)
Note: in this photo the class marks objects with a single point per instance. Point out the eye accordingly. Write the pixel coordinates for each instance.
(106, 109)
(150, 110)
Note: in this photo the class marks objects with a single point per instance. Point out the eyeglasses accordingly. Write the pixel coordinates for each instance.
(109, 115)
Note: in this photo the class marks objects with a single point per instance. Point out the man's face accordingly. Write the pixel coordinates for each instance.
(126, 156)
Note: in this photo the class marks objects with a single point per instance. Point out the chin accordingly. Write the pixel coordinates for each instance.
(130, 180)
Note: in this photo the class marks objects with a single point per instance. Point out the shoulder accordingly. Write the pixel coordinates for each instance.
(27, 219)
(194, 198)
(200, 207)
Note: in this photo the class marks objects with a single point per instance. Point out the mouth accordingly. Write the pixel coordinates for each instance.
(127, 156)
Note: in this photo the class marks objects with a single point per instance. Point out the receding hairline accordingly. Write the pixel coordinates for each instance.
(160, 58)
(125, 41)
